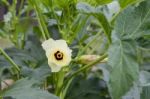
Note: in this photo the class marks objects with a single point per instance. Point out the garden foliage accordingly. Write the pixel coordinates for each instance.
(116, 31)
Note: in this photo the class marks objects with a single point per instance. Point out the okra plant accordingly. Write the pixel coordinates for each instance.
(74, 49)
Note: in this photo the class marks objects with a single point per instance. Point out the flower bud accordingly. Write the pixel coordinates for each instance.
(6, 83)
(86, 59)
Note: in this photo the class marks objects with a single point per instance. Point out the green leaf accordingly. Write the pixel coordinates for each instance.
(145, 83)
(90, 88)
(124, 65)
(134, 92)
(144, 50)
(144, 78)
(125, 3)
(104, 25)
(23, 89)
(97, 13)
(134, 22)
(38, 74)
(97, 2)
(85, 7)
(145, 94)
(20, 55)
(102, 2)
(79, 27)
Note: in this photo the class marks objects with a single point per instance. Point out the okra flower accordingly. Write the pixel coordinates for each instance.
(58, 53)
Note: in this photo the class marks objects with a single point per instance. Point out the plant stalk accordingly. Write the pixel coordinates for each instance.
(88, 66)
(10, 60)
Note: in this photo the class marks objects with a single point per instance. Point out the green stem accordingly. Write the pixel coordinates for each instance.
(70, 78)
(88, 66)
(41, 20)
(115, 16)
(92, 41)
(23, 41)
(59, 83)
(65, 89)
(40, 24)
(10, 60)
(20, 7)
(13, 23)
(55, 16)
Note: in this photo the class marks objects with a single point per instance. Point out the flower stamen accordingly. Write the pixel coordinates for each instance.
(58, 55)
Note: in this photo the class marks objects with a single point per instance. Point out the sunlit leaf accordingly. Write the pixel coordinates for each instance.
(125, 3)
(102, 2)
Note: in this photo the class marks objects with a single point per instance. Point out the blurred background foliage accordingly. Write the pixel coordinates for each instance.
(89, 27)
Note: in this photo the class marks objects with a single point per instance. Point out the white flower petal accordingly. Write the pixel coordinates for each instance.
(61, 43)
(51, 48)
(54, 67)
(48, 45)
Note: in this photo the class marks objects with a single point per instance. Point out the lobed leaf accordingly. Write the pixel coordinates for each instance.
(134, 22)
(124, 65)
